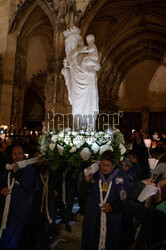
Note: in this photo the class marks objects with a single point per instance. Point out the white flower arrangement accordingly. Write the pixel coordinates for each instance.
(54, 138)
(77, 146)
(67, 139)
(105, 147)
(78, 141)
(61, 134)
(85, 154)
(52, 146)
(75, 133)
(60, 149)
(90, 140)
(73, 149)
(95, 148)
(122, 149)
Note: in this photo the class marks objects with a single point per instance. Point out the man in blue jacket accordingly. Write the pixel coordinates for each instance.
(105, 230)
(17, 189)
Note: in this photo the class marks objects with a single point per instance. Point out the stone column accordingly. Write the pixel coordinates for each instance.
(7, 50)
(18, 89)
(145, 120)
(7, 83)
(55, 89)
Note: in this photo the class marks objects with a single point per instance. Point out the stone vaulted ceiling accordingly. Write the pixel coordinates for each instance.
(127, 32)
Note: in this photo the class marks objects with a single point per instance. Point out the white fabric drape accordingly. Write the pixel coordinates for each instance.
(24, 163)
(45, 197)
(103, 219)
(7, 204)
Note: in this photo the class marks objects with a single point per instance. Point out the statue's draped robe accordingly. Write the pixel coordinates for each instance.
(20, 206)
(84, 91)
(81, 81)
(115, 221)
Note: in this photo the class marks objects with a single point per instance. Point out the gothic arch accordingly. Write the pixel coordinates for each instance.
(25, 9)
(33, 23)
(33, 99)
(127, 32)
(91, 11)
(37, 24)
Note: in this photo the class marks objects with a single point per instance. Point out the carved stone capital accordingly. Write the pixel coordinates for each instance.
(54, 65)
(51, 64)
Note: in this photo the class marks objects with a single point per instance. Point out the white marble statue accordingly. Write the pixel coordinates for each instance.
(80, 66)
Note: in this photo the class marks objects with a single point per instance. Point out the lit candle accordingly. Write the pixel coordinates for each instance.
(26, 155)
(148, 143)
(2, 136)
(152, 163)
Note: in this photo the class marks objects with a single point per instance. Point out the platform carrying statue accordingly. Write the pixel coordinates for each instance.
(80, 67)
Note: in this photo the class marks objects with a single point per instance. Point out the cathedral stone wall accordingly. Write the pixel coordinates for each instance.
(7, 8)
(131, 43)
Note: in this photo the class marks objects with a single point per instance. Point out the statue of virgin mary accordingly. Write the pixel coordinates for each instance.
(80, 67)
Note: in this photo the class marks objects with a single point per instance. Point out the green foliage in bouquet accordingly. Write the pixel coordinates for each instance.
(78, 149)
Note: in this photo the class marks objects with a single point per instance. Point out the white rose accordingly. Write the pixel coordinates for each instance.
(101, 133)
(95, 147)
(104, 148)
(122, 149)
(97, 134)
(120, 138)
(61, 134)
(54, 138)
(67, 129)
(71, 144)
(52, 146)
(89, 140)
(79, 145)
(67, 140)
(109, 143)
(78, 141)
(74, 133)
(60, 149)
(73, 149)
(85, 154)
(43, 148)
(110, 132)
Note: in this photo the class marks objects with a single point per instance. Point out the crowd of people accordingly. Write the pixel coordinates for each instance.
(31, 198)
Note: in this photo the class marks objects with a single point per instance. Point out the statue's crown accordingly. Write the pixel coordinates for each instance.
(71, 31)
